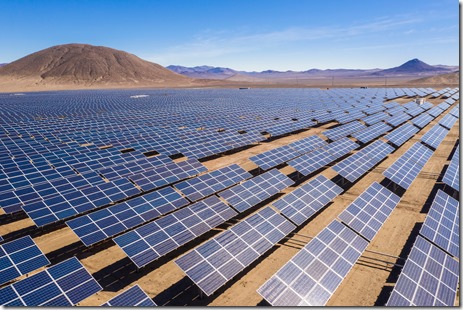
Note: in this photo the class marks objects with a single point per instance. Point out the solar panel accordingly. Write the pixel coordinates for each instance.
(368, 212)
(372, 132)
(341, 147)
(442, 224)
(343, 130)
(308, 144)
(354, 166)
(422, 120)
(407, 167)
(62, 285)
(72, 203)
(415, 111)
(436, 111)
(218, 260)
(375, 118)
(398, 119)
(428, 278)
(452, 174)
(308, 199)
(106, 223)
(312, 275)
(168, 174)
(147, 243)
(435, 136)
(212, 182)
(274, 157)
(448, 121)
(253, 191)
(19, 257)
(311, 162)
(132, 297)
(402, 134)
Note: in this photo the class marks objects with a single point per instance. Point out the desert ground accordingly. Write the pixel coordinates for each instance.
(367, 284)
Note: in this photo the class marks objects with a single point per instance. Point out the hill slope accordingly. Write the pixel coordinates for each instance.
(441, 79)
(87, 65)
(412, 67)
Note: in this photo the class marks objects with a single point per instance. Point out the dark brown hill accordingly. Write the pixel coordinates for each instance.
(447, 79)
(88, 65)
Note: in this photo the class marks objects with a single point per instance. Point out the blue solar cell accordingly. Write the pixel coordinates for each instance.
(452, 174)
(343, 130)
(132, 297)
(308, 199)
(428, 278)
(255, 190)
(64, 284)
(218, 260)
(402, 134)
(311, 162)
(155, 239)
(442, 224)
(19, 257)
(368, 212)
(312, 276)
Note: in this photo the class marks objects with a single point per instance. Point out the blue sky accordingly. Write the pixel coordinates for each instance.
(242, 34)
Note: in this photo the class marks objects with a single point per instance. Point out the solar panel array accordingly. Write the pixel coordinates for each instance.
(255, 190)
(452, 174)
(422, 120)
(274, 157)
(343, 130)
(372, 132)
(132, 297)
(402, 134)
(398, 119)
(219, 259)
(105, 223)
(407, 167)
(428, 278)
(308, 199)
(368, 212)
(442, 223)
(448, 121)
(212, 182)
(354, 166)
(312, 275)
(147, 243)
(62, 285)
(308, 144)
(19, 257)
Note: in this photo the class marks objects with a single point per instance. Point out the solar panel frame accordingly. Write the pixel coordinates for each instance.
(402, 134)
(131, 297)
(311, 162)
(429, 278)
(218, 260)
(435, 136)
(306, 200)
(368, 212)
(442, 223)
(311, 276)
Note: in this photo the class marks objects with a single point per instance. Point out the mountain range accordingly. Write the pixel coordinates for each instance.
(414, 67)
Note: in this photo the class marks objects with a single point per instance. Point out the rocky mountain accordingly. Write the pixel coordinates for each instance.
(411, 67)
(204, 72)
(87, 65)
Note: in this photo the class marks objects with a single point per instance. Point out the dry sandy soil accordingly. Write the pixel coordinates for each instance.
(369, 282)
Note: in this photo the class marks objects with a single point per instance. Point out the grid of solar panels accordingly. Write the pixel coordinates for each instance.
(455, 111)
(343, 130)
(375, 118)
(354, 166)
(442, 224)
(132, 297)
(311, 162)
(62, 285)
(212, 182)
(407, 167)
(168, 174)
(428, 278)
(448, 121)
(402, 134)
(435, 136)
(274, 157)
(368, 212)
(72, 203)
(253, 191)
(341, 147)
(435, 111)
(312, 275)
(452, 174)
(155, 239)
(19, 257)
(134, 167)
(308, 199)
(372, 132)
(398, 119)
(415, 111)
(348, 117)
(308, 144)
(426, 105)
(218, 260)
(422, 120)
(105, 223)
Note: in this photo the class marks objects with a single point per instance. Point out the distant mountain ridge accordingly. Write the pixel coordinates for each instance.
(411, 67)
